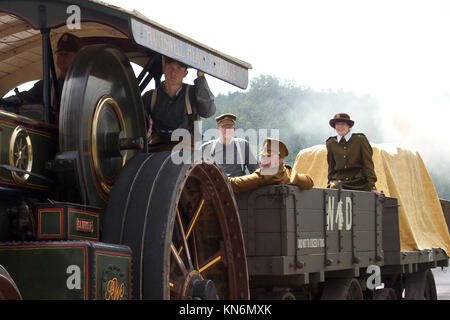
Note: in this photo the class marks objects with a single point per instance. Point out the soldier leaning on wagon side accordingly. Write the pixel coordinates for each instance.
(67, 47)
(349, 157)
(174, 105)
(272, 158)
(227, 146)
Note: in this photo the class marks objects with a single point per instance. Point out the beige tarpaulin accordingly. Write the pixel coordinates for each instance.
(401, 174)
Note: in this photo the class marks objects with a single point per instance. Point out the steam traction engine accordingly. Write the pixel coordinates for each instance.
(86, 212)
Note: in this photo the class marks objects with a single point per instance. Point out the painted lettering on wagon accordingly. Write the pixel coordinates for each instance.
(113, 290)
(339, 215)
(310, 243)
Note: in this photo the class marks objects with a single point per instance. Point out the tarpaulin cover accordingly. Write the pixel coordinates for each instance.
(402, 174)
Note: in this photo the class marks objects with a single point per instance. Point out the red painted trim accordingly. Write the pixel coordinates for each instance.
(21, 17)
(114, 253)
(61, 211)
(84, 211)
(44, 245)
(28, 128)
(108, 24)
(23, 186)
(94, 20)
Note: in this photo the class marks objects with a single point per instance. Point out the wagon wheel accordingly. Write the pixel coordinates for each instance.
(182, 224)
(385, 294)
(420, 286)
(101, 116)
(8, 289)
(342, 289)
(395, 282)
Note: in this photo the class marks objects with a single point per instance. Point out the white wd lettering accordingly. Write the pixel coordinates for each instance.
(73, 21)
(337, 217)
(330, 213)
(74, 280)
(348, 213)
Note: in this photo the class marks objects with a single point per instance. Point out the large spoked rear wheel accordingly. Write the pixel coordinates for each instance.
(182, 224)
(101, 118)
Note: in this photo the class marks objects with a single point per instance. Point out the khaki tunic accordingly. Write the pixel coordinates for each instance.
(351, 162)
(256, 179)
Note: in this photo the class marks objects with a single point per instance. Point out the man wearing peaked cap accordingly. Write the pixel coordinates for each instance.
(349, 157)
(272, 170)
(226, 118)
(231, 153)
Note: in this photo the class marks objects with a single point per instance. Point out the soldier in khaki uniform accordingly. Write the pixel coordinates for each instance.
(349, 157)
(272, 170)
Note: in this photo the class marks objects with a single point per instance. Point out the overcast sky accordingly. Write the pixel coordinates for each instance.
(397, 51)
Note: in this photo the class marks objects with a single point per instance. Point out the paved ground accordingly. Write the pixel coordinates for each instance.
(442, 279)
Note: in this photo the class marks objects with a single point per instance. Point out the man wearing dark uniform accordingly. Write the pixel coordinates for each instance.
(272, 170)
(232, 154)
(349, 157)
(67, 47)
(176, 105)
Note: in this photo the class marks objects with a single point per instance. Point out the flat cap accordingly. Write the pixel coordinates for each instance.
(274, 145)
(226, 118)
(68, 42)
(168, 60)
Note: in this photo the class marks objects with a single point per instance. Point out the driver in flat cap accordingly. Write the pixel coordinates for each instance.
(272, 170)
(67, 47)
(176, 105)
(231, 153)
